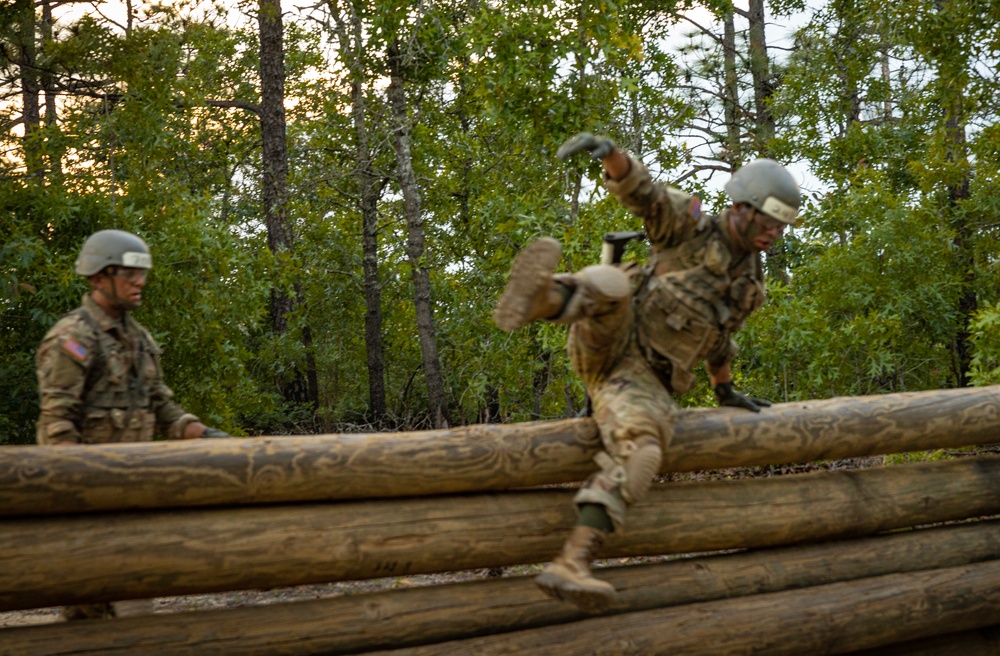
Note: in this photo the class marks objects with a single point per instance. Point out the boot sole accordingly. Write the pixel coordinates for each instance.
(531, 271)
(588, 599)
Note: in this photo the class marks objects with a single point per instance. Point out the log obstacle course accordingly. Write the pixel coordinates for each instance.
(902, 559)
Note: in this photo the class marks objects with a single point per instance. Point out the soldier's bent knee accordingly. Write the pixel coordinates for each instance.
(606, 283)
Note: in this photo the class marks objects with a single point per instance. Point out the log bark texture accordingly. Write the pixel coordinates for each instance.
(832, 619)
(419, 616)
(74, 479)
(133, 555)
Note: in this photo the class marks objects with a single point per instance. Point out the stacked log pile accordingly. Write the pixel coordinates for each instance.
(902, 559)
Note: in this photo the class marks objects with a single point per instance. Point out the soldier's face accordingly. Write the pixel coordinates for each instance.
(123, 287)
(753, 230)
(764, 231)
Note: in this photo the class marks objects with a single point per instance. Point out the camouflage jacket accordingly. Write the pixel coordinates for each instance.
(100, 381)
(699, 286)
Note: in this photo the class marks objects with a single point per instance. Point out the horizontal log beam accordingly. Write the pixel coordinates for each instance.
(54, 479)
(980, 642)
(134, 555)
(425, 615)
(831, 619)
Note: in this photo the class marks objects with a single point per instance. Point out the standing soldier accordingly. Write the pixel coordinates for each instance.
(637, 333)
(99, 373)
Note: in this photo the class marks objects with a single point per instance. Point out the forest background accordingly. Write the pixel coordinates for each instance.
(333, 190)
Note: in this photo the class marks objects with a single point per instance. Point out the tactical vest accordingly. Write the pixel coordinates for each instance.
(116, 398)
(694, 298)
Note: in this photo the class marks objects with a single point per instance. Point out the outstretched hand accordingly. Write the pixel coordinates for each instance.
(727, 396)
(598, 147)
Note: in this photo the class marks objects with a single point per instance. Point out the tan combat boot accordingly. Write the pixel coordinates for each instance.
(568, 576)
(531, 293)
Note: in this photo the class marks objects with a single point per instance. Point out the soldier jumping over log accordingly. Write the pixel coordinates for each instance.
(637, 332)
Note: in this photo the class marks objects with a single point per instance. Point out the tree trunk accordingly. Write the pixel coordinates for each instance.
(580, 97)
(760, 71)
(965, 233)
(55, 479)
(731, 94)
(885, 62)
(31, 118)
(54, 148)
(351, 44)
(953, 79)
(436, 396)
(274, 149)
(274, 162)
(435, 614)
(540, 381)
(777, 257)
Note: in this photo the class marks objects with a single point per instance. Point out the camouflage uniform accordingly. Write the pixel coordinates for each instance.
(100, 381)
(638, 332)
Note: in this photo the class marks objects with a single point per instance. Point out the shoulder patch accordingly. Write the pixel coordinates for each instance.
(694, 208)
(75, 349)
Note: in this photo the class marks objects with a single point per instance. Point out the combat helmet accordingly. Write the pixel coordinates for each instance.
(107, 248)
(767, 186)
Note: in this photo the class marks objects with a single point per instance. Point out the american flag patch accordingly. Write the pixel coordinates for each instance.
(75, 349)
(694, 209)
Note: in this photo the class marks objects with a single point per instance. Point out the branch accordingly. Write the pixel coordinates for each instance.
(706, 132)
(718, 95)
(234, 104)
(698, 169)
(704, 30)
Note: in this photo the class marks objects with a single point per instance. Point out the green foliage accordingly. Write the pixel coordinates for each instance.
(38, 287)
(986, 337)
(871, 306)
(879, 298)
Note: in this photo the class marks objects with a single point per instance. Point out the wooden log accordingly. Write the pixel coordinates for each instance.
(831, 619)
(981, 642)
(53, 480)
(418, 616)
(134, 555)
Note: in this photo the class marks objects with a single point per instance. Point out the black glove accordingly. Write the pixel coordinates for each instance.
(598, 147)
(214, 432)
(726, 395)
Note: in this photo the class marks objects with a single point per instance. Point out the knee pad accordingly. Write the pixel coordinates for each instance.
(641, 463)
(633, 466)
(598, 289)
(624, 479)
(606, 283)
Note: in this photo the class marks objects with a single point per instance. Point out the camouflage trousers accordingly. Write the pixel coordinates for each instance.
(634, 411)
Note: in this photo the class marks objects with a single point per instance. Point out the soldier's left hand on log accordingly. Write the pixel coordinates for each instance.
(599, 147)
(727, 396)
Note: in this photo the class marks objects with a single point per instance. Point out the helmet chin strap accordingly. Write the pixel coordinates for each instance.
(754, 228)
(740, 223)
(116, 301)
